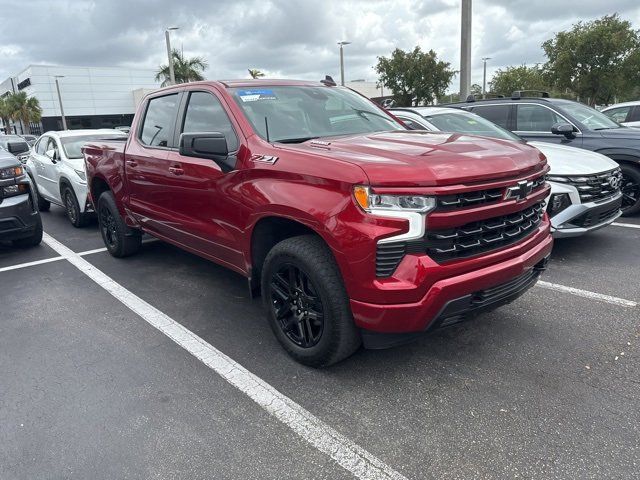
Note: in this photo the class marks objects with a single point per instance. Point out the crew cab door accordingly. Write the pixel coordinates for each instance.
(47, 170)
(200, 202)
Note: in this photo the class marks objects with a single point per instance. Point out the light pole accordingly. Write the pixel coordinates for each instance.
(172, 75)
(64, 120)
(465, 50)
(484, 76)
(342, 44)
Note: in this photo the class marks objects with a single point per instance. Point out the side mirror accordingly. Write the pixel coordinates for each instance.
(16, 148)
(565, 129)
(211, 145)
(51, 154)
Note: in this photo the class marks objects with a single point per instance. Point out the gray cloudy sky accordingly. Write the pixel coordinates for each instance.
(284, 38)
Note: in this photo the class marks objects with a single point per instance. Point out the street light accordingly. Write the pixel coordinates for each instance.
(172, 75)
(64, 120)
(342, 44)
(484, 76)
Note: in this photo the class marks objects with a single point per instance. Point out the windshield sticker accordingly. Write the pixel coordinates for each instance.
(255, 95)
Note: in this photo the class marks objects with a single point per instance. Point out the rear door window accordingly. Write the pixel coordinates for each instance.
(159, 121)
(619, 114)
(498, 114)
(536, 118)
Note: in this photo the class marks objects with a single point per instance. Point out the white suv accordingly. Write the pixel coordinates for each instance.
(585, 186)
(56, 167)
(627, 114)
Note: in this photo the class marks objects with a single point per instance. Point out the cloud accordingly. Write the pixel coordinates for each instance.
(288, 38)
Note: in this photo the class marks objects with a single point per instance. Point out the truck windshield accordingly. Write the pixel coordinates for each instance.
(72, 145)
(298, 113)
(462, 122)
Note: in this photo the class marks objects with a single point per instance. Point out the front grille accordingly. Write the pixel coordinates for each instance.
(480, 237)
(478, 197)
(388, 256)
(590, 218)
(491, 295)
(593, 188)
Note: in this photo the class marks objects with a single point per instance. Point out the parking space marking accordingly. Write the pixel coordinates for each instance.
(628, 225)
(95, 250)
(587, 294)
(30, 264)
(314, 431)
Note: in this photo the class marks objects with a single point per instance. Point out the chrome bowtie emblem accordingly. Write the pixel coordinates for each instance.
(520, 190)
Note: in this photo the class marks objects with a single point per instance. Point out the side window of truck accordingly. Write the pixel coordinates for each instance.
(205, 113)
(159, 120)
(498, 114)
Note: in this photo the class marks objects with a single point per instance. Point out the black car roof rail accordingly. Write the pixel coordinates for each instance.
(519, 94)
(475, 97)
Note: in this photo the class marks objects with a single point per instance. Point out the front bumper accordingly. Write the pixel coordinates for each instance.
(435, 307)
(18, 217)
(582, 218)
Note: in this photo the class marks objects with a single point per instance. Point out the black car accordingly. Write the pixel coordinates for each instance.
(556, 120)
(15, 145)
(20, 221)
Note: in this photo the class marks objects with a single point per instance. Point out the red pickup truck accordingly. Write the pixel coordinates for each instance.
(354, 229)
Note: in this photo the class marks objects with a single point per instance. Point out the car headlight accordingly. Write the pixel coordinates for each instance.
(13, 190)
(81, 174)
(557, 203)
(11, 172)
(372, 202)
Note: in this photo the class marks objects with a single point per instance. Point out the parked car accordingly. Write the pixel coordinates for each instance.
(15, 145)
(321, 199)
(555, 120)
(20, 220)
(30, 139)
(585, 186)
(627, 114)
(56, 167)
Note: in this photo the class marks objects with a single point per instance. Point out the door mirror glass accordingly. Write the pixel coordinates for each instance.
(565, 129)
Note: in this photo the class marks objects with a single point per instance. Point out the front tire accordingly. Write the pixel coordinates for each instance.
(120, 240)
(630, 190)
(72, 207)
(306, 302)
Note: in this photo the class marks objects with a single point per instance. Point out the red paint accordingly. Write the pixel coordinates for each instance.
(191, 203)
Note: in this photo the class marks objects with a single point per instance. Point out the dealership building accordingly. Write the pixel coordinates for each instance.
(92, 97)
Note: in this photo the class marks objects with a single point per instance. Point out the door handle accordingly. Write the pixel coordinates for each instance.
(176, 170)
(131, 163)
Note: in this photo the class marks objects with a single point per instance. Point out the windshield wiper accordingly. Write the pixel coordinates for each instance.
(364, 113)
(295, 140)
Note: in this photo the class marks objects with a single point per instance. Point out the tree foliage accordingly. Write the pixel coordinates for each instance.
(21, 107)
(508, 80)
(255, 73)
(596, 60)
(185, 69)
(5, 112)
(414, 77)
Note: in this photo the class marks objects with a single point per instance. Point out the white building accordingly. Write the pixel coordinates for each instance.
(368, 89)
(92, 97)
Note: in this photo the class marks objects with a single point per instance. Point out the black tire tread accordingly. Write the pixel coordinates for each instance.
(83, 218)
(130, 240)
(631, 171)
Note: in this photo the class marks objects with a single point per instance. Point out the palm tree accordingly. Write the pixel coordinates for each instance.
(185, 69)
(24, 108)
(5, 113)
(255, 73)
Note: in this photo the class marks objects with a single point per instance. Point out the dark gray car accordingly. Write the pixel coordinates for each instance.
(20, 220)
(556, 120)
(16, 145)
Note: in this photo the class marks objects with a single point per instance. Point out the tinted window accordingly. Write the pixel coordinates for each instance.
(157, 129)
(618, 114)
(411, 124)
(590, 117)
(205, 114)
(536, 118)
(635, 115)
(463, 122)
(498, 114)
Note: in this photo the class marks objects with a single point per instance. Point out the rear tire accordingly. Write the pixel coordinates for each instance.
(630, 190)
(33, 240)
(120, 240)
(306, 302)
(77, 218)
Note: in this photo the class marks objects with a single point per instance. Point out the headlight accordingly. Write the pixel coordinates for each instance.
(81, 174)
(557, 203)
(11, 172)
(372, 202)
(12, 190)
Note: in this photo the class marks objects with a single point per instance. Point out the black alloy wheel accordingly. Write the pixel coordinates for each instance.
(630, 193)
(108, 228)
(71, 206)
(296, 306)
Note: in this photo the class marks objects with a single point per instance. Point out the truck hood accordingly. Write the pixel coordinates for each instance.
(565, 160)
(626, 133)
(417, 158)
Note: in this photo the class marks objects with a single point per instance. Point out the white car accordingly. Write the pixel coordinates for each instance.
(585, 186)
(627, 114)
(56, 167)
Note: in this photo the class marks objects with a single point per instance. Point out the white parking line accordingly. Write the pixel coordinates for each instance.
(587, 294)
(95, 250)
(30, 264)
(347, 454)
(628, 225)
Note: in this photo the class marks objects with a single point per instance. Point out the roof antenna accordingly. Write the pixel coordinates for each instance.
(328, 81)
(266, 126)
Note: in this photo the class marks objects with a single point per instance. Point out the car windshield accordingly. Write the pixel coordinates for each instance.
(72, 145)
(462, 122)
(295, 114)
(590, 117)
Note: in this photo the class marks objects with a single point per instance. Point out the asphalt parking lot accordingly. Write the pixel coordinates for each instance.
(546, 387)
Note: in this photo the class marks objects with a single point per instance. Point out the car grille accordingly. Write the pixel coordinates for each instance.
(593, 188)
(478, 197)
(589, 219)
(388, 256)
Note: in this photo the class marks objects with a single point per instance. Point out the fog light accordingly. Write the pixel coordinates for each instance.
(557, 203)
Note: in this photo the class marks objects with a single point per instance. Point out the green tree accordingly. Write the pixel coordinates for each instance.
(6, 113)
(185, 69)
(597, 60)
(476, 89)
(508, 80)
(414, 77)
(24, 108)
(255, 73)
